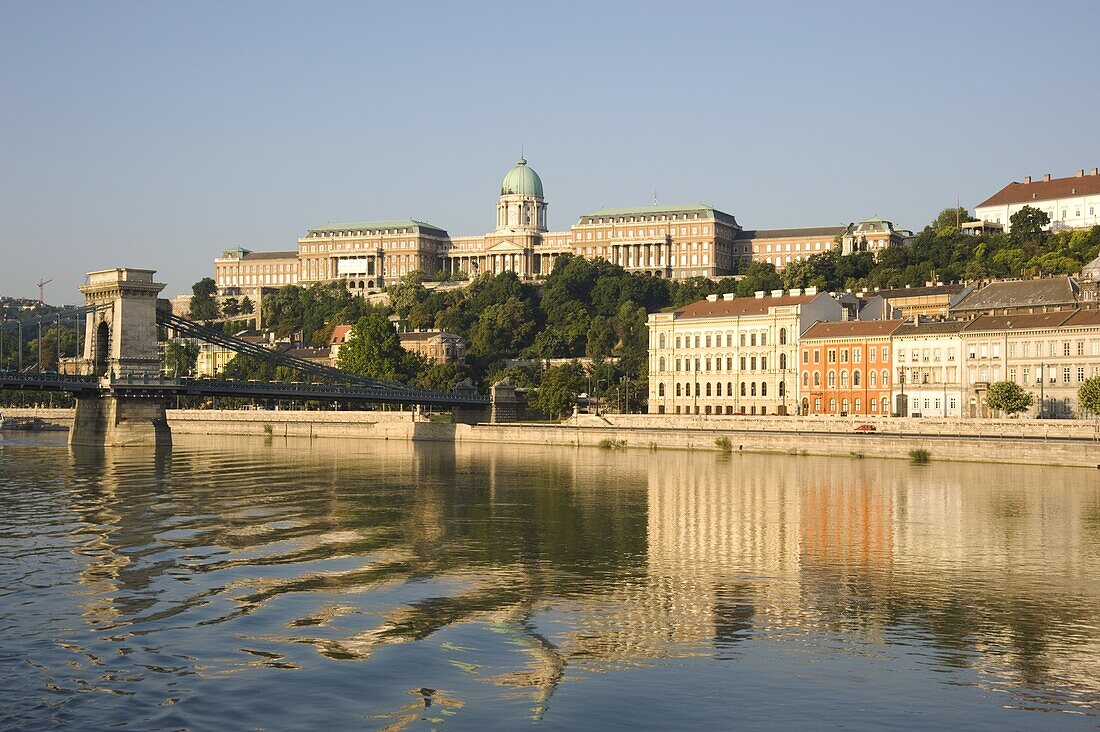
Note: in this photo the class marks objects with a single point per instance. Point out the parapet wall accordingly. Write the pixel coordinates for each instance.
(999, 441)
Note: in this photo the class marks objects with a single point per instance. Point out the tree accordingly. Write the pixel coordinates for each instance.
(373, 349)
(181, 357)
(503, 329)
(1088, 396)
(949, 220)
(441, 376)
(1008, 397)
(560, 386)
(1027, 224)
(231, 307)
(247, 307)
(203, 305)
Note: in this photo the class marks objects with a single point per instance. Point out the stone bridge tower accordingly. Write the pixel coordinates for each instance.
(121, 346)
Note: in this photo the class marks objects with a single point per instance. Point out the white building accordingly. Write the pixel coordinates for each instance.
(928, 371)
(733, 355)
(1072, 203)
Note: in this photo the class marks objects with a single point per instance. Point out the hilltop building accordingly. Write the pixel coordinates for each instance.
(1071, 203)
(694, 240)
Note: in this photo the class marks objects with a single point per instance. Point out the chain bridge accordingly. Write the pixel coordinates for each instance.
(122, 400)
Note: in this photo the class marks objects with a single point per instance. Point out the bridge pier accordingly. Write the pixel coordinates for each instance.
(120, 421)
(121, 345)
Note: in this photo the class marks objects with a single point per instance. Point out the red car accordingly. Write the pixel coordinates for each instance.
(866, 428)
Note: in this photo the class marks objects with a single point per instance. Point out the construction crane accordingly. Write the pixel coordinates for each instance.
(41, 291)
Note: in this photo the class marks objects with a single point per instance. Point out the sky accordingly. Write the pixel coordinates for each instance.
(157, 134)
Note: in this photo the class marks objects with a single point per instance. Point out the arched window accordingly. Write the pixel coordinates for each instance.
(679, 390)
(782, 388)
(752, 389)
(661, 367)
(687, 390)
(660, 390)
(843, 379)
(805, 378)
(832, 405)
(782, 362)
(661, 341)
(708, 388)
(874, 378)
(718, 389)
(729, 388)
(832, 379)
(885, 378)
(763, 388)
(817, 378)
(844, 405)
(885, 405)
(855, 378)
(742, 388)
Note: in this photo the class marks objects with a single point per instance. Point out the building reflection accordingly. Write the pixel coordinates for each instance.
(635, 556)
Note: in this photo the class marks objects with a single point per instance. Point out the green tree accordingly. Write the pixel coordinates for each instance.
(503, 329)
(246, 305)
(373, 349)
(558, 392)
(1088, 396)
(203, 305)
(231, 307)
(948, 220)
(1008, 397)
(181, 358)
(441, 376)
(1027, 224)
(601, 337)
(759, 276)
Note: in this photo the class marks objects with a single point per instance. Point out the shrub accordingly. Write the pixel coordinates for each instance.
(920, 455)
(723, 444)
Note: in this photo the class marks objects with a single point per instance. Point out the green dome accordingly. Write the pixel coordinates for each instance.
(521, 180)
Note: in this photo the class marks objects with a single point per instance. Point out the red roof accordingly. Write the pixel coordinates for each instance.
(852, 329)
(1045, 190)
(1084, 317)
(340, 334)
(741, 306)
(1019, 321)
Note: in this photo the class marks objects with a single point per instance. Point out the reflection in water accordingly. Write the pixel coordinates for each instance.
(398, 586)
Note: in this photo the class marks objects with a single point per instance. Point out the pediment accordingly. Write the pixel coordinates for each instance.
(505, 247)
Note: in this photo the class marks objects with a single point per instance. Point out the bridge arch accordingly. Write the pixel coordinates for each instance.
(102, 349)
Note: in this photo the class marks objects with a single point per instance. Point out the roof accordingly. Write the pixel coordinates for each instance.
(340, 334)
(427, 335)
(1045, 190)
(521, 180)
(703, 208)
(919, 291)
(1084, 317)
(1019, 321)
(722, 308)
(376, 226)
(935, 327)
(1091, 270)
(1021, 294)
(852, 329)
(812, 231)
(253, 256)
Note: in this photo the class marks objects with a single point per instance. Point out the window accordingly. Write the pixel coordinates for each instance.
(855, 379)
(708, 389)
(752, 389)
(763, 339)
(679, 390)
(843, 379)
(677, 341)
(857, 355)
(874, 378)
(832, 379)
(660, 390)
(782, 362)
(1080, 373)
(718, 389)
(783, 336)
(832, 355)
(742, 388)
(805, 356)
(844, 355)
(752, 339)
(661, 364)
(817, 356)
(763, 388)
(1065, 348)
(1065, 375)
(856, 405)
(817, 378)
(885, 354)
(805, 378)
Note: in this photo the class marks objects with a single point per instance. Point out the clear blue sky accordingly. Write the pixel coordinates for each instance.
(155, 134)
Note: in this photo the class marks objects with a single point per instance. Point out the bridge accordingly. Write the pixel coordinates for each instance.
(122, 401)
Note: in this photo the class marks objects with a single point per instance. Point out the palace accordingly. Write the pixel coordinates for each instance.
(695, 240)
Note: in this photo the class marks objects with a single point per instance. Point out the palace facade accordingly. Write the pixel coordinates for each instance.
(694, 240)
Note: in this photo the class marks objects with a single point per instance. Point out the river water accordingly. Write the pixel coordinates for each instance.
(240, 584)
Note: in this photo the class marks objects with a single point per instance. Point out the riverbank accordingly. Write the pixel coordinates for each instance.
(1063, 442)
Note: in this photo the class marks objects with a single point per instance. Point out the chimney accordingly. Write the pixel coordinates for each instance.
(759, 294)
(777, 293)
(712, 298)
(810, 290)
(1046, 178)
(796, 291)
(1095, 171)
(1081, 173)
(728, 296)
(1027, 180)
